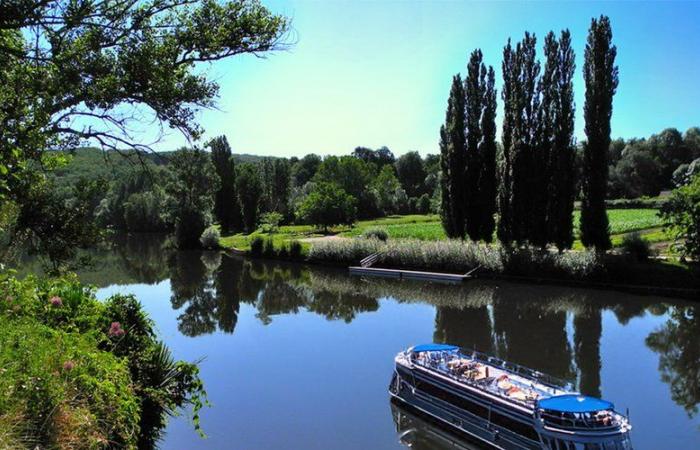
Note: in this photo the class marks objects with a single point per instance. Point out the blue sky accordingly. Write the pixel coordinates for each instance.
(376, 73)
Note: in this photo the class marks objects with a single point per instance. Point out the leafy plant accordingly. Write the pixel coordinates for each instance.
(376, 233)
(635, 245)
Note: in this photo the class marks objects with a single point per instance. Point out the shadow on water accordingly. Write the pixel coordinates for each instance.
(556, 330)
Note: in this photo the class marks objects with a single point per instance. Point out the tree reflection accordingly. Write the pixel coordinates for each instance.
(469, 328)
(588, 328)
(192, 288)
(678, 345)
(532, 332)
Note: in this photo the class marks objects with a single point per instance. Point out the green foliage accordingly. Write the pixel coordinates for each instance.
(635, 245)
(54, 226)
(681, 215)
(601, 77)
(295, 250)
(305, 169)
(644, 167)
(249, 189)
(386, 185)
(210, 238)
(191, 188)
(271, 222)
(226, 209)
(268, 248)
(376, 233)
(79, 373)
(453, 162)
(480, 148)
(411, 173)
(353, 176)
(327, 205)
(256, 246)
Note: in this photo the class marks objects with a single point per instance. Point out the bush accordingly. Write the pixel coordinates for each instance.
(269, 249)
(256, 246)
(295, 250)
(633, 244)
(283, 251)
(210, 238)
(681, 216)
(79, 373)
(270, 222)
(376, 233)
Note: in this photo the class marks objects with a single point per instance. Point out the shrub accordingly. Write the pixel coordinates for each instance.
(376, 233)
(633, 244)
(269, 248)
(270, 222)
(256, 246)
(295, 250)
(85, 374)
(210, 238)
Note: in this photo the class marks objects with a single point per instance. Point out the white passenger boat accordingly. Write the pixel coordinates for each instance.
(505, 405)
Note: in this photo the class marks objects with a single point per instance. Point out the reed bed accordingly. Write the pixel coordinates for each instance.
(459, 256)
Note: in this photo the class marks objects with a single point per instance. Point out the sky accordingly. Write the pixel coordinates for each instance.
(374, 73)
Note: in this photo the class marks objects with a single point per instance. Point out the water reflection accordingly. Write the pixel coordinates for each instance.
(678, 345)
(419, 432)
(556, 330)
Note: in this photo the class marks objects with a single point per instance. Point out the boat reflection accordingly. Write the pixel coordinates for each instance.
(417, 431)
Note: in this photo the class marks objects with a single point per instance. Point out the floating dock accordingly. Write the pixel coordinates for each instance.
(409, 274)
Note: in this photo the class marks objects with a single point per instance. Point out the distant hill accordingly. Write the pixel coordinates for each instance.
(91, 163)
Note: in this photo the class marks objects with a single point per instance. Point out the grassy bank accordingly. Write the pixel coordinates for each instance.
(77, 373)
(429, 228)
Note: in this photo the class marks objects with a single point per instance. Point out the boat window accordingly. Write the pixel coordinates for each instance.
(516, 426)
(460, 402)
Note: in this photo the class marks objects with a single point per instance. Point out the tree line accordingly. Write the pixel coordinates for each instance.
(530, 180)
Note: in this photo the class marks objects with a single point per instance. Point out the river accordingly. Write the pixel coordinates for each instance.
(299, 357)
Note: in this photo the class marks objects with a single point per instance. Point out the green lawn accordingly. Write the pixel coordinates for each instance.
(428, 227)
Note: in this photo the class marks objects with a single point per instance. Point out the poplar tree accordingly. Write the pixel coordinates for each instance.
(487, 153)
(226, 209)
(541, 176)
(453, 159)
(505, 223)
(445, 203)
(474, 99)
(521, 105)
(562, 155)
(601, 76)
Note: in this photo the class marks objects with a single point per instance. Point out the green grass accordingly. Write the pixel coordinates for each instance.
(429, 228)
(628, 220)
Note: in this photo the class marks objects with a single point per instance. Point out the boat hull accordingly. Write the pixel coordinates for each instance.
(403, 389)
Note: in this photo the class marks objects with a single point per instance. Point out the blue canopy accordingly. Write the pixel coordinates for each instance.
(575, 404)
(434, 348)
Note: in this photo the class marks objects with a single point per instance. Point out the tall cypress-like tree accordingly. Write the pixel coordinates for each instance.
(505, 220)
(226, 208)
(520, 139)
(445, 202)
(562, 154)
(474, 99)
(487, 155)
(541, 176)
(601, 76)
(453, 159)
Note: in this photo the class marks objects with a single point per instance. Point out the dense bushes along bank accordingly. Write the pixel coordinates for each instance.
(77, 373)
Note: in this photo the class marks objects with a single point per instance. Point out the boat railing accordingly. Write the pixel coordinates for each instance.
(523, 371)
(581, 422)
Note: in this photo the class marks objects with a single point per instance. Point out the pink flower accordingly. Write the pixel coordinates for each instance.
(116, 330)
(68, 365)
(56, 301)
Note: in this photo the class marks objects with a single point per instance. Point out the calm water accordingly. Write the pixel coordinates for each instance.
(299, 357)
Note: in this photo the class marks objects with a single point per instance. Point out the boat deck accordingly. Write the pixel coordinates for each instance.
(490, 377)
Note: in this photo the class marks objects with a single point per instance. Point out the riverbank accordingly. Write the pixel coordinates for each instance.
(79, 373)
